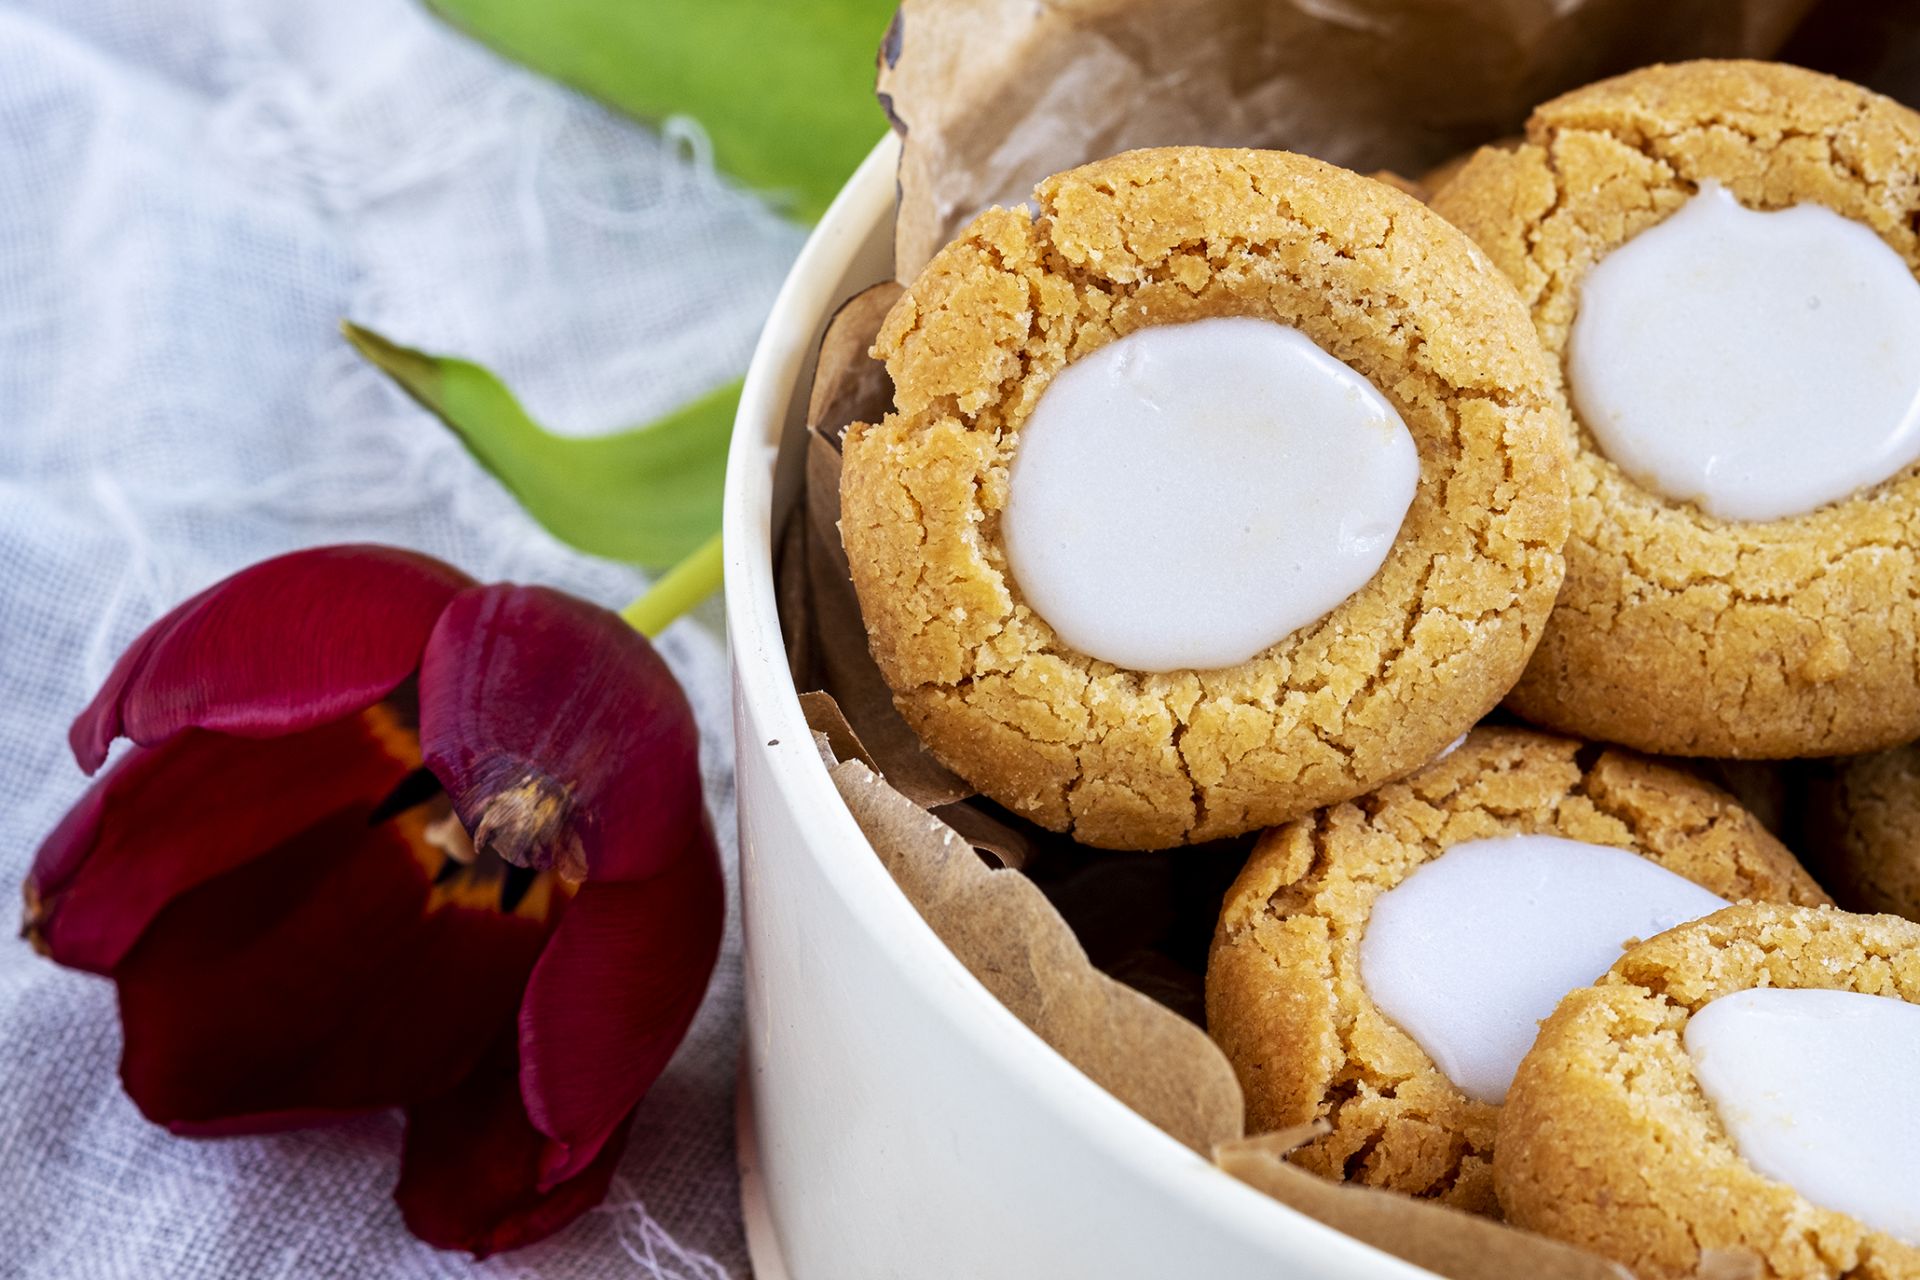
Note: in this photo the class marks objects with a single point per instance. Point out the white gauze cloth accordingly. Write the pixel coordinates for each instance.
(195, 192)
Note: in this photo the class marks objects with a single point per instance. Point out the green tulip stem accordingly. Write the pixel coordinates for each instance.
(678, 590)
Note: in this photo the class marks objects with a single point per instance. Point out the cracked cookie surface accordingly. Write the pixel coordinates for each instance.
(1127, 759)
(1285, 999)
(1607, 1141)
(1677, 632)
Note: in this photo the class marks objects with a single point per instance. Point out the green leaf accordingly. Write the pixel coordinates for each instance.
(649, 495)
(784, 88)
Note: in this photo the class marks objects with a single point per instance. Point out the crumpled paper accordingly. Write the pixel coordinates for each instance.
(990, 96)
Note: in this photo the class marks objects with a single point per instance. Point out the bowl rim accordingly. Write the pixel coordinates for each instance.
(763, 680)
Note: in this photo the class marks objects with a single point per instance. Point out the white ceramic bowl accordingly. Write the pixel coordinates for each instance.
(898, 1122)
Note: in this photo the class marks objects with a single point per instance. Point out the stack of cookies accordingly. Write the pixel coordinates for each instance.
(1230, 491)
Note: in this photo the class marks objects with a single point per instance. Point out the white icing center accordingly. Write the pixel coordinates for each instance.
(1761, 365)
(1472, 950)
(1816, 1089)
(1191, 494)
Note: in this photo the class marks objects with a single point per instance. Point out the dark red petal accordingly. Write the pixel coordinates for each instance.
(166, 818)
(560, 734)
(469, 1172)
(285, 645)
(610, 1000)
(316, 979)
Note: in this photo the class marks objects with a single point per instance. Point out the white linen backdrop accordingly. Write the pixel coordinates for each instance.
(192, 194)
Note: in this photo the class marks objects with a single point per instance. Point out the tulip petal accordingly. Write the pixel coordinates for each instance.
(562, 738)
(166, 818)
(325, 976)
(611, 999)
(281, 646)
(470, 1169)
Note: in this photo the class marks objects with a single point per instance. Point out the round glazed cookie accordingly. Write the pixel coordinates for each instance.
(1862, 824)
(1306, 962)
(1610, 1139)
(1134, 250)
(1679, 631)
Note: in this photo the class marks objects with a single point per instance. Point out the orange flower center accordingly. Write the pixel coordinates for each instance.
(463, 872)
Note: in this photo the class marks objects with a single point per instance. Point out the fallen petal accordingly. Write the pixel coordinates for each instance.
(470, 1169)
(561, 736)
(281, 646)
(324, 977)
(167, 818)
(611, 999)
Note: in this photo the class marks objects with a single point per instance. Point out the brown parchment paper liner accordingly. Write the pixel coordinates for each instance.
(1003, 930)
(848, 386)
(992, 95)
(1444, 1241)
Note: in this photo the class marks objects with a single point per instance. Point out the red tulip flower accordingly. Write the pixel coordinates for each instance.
(390, 838)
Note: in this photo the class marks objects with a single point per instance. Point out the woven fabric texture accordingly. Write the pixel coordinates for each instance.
(195, 193)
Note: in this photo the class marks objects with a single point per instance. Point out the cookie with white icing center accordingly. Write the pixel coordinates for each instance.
(1721, 257)
(1220, 485)
(1741, 1084)
(1382, 965)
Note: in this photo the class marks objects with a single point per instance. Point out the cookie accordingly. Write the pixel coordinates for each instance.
(1675, 231)
(1192, 273)
(1862, 825)
(1307, 961)
(1639, 1124)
